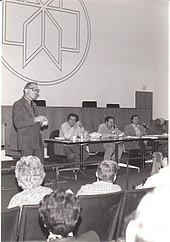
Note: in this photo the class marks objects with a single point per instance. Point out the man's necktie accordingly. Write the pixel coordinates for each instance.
(33, 106)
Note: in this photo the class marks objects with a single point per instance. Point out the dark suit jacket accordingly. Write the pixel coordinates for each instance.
(25, 134)
(130, 131)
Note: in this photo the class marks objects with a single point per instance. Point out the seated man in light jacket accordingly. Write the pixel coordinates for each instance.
(68, 130)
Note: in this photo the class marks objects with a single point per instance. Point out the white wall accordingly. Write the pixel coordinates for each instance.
(129, 49)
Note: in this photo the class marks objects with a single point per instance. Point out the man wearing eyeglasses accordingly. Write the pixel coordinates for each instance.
(27, 124)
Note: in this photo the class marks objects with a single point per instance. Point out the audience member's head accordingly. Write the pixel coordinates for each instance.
(59, 212)
(151, 222)
(160, 160)
(161, 157)
(72, 119)
(164, 157)
(135, 119)
(29, 172)
(164, 161)
(107, 171)
(165, 151)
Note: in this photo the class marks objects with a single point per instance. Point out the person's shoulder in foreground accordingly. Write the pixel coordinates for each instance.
(151, 221)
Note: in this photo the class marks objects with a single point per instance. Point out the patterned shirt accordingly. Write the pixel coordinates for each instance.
(98, 187)
(29, 196)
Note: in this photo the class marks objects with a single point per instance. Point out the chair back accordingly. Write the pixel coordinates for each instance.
(99, 213)
(129, 204)
(89, 104)
(31, 226)
(9, 224)
(6, 195)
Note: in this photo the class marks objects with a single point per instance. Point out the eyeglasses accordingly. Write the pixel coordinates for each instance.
(34, 89)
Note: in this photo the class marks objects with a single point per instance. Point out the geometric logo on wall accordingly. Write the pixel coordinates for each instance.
(46, 41)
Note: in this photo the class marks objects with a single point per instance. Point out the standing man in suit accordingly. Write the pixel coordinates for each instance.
(27, 137)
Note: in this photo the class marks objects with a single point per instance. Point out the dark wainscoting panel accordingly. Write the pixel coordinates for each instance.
(91, 118)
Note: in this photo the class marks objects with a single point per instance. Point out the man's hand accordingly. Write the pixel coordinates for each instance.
(42, 120)
(45, 122)
(78, 124)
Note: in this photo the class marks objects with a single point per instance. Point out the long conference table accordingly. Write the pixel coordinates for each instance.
(117, 140)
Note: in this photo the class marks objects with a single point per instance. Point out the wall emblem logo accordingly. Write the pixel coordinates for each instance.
(46, 41)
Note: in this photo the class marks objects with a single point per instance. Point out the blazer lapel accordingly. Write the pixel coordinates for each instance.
(28, 106)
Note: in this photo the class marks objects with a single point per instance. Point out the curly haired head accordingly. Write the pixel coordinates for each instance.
(29, 172)
(59, 212)
(107, 170)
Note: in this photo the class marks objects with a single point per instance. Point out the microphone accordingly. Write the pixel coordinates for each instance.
(79, 124)
(145, 126)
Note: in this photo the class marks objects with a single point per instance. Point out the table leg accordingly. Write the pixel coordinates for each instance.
(116, 151)
(127, 168)
(127, 174)
(81, 155)
(157, 145)
(56, 177)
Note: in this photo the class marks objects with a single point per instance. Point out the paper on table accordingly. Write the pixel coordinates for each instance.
(59, 138)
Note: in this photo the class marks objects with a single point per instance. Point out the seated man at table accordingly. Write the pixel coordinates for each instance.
(109, 129)
(106, 177)
(68, 130)
(134, 129)
(158, 126)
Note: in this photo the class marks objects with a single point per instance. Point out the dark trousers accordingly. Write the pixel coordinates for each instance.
(73, 153)
(136, 157)
(38, 152)
(143, 148)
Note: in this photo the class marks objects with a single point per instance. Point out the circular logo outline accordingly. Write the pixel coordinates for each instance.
(60, 80)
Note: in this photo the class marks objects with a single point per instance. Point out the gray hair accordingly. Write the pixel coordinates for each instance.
(107, 170)
(29, 172)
